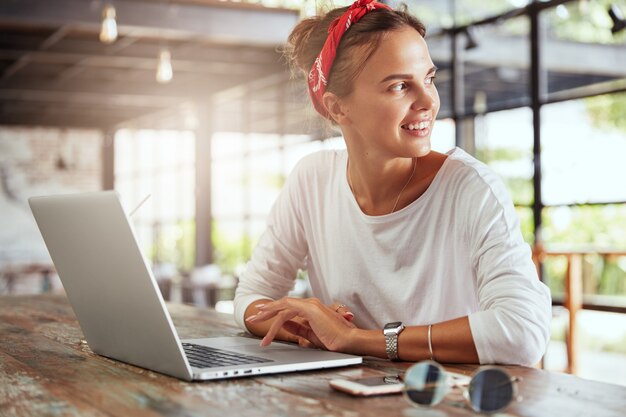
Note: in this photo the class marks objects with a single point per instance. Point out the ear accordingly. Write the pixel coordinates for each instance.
(337, 110)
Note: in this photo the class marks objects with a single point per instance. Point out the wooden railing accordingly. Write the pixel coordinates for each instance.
(573, 291)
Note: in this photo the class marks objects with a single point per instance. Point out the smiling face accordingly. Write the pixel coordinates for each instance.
(394, 102)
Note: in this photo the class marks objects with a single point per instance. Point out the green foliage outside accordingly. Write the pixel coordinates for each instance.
(608, 111)
(231, 250)
(587, 24)
(591, 24)
(175, 243)
(525, 215)
(521, 188)
(587, 227)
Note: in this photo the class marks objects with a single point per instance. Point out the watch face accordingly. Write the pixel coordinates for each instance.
(393, 325)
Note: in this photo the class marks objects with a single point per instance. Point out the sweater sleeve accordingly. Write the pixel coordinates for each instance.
(513, 323)
(280, 252)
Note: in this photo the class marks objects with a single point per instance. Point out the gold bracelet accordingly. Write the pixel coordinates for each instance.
(430, 343)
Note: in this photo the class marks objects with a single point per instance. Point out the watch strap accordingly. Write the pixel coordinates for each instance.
(391, 346)
(391, 341)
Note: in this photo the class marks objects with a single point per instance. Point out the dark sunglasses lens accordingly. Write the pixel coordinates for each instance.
(425, 383)
(490, 390)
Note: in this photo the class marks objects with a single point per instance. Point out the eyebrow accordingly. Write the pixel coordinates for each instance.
(406, 76)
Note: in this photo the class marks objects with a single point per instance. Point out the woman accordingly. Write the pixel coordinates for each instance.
(423, 248)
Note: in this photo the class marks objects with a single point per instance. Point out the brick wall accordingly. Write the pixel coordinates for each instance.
(40, 161)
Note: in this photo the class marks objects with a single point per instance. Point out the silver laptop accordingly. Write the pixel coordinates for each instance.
(120, 308)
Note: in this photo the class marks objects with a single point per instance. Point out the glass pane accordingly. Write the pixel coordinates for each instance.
(527, 223)
(585, 227)
(445, 14)
(232, 246)
(159, 164)
(227, 187)
(264, 142)
(504, 141)
(443, 136)
(468, 11)
(579, 49)
(434, 14)
(440, 52)
(124, 152)
(334, 143)
(294, 153)
(603, 278)
(496, 61)
(583, 144)
(266, 181)
(226, 144)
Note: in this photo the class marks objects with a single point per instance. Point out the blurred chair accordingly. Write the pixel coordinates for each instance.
(165, 274)
(11, 273)
(201, 286)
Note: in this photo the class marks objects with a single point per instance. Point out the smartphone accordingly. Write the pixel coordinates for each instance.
(378, 385)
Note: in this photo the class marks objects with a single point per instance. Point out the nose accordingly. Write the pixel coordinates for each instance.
(425, 99)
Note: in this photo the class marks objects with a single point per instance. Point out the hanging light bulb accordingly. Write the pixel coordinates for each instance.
(108, 32)
(619, 23)
(164, 69)
(470, 39)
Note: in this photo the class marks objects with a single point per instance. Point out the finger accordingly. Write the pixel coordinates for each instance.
(281, 318)
(349, 324)
(303, 331)
(349, 316)
(305, 343)
(261, 316)
(343, 310)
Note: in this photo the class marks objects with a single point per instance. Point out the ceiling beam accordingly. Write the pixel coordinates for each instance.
(62, 121)
(558, 55)
(133, 62)
(24, 59)
(89, 99)
(188, 87)
(213, 22)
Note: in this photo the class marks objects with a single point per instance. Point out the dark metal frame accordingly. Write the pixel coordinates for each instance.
(538, 97)
(538, 89)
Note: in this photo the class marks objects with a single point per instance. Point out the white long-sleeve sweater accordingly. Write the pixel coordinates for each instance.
(455, 251)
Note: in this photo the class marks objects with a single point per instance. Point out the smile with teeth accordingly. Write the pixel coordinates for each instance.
(417, 126)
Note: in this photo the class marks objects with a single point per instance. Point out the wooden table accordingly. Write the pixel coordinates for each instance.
(46, 370)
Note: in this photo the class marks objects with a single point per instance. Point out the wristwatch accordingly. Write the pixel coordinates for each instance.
(391, 332)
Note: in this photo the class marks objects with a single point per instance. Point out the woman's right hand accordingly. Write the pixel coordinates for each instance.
(261, 329)
(321, 325)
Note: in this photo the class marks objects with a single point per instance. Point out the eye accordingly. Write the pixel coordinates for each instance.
(431, 79)
(399, 87)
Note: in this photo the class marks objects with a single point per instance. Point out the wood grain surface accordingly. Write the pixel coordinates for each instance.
(46, 369)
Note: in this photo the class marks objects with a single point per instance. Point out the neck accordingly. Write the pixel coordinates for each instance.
(379, 188)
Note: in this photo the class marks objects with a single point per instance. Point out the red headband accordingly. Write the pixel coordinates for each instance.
(318, 76)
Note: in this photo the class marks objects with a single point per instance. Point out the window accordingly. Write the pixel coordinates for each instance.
(160, 164)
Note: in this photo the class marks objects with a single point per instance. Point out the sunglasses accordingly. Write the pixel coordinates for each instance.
(489, 390)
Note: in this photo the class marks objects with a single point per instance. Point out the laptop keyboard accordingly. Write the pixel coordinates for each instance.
(205, 357)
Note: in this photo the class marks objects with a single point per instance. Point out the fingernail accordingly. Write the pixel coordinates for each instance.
(348, 315)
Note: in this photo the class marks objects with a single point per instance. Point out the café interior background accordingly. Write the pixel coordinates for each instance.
(190, 102)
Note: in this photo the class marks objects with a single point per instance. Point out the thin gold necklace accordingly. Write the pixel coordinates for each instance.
(414, 161)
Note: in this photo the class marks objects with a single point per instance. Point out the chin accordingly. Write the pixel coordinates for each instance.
(423, 148)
